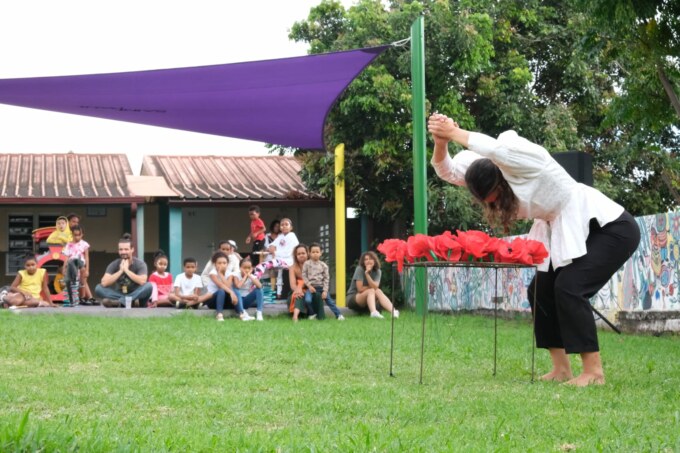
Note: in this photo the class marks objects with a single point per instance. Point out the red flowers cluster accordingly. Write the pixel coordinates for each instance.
(463, 246)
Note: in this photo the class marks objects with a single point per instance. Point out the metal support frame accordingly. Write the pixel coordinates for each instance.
(496, 300)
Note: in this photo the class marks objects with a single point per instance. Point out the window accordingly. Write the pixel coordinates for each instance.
(20, 239)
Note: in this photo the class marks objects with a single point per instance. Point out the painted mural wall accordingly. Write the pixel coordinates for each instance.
(648, 281)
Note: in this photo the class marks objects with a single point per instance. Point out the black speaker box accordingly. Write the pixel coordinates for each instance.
(579, 165)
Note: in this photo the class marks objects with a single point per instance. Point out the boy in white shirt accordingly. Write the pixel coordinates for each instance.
(188, 286)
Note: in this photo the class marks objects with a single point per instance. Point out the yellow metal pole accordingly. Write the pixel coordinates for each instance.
(340, 211)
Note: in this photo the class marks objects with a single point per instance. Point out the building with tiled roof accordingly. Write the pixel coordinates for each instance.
(182, 204)
(214, 192)
(237, 178)
(65, 178)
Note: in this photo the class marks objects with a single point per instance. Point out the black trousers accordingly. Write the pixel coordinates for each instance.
(257, 246)
(564, 318)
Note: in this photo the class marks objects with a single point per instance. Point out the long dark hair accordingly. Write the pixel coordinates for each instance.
(373, 256)
(217, 255)
(299, 246)
(482, 178)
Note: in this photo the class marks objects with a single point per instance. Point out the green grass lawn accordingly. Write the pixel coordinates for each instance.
(189, 383)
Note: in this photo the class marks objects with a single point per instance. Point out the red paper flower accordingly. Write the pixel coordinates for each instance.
(421, 246)
(523, 251)
(537, 251)
(512, 252)
(476, 244)
(395, 250)
(447, 247)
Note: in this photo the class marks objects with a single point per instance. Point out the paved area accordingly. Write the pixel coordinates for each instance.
(270, 310)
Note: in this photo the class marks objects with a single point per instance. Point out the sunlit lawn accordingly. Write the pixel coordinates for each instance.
(189, 383)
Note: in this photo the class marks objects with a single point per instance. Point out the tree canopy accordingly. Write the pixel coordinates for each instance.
(560, 73)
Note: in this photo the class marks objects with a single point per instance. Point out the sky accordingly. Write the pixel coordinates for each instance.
(72, 37)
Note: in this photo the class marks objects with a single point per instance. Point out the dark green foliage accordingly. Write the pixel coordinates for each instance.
(571, 75)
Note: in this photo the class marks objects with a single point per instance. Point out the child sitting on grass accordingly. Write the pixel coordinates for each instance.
(27, 286)
(188, 286)
(317, 277)
(220, 289)
(161, 280)
(233, 258)
(248, 288)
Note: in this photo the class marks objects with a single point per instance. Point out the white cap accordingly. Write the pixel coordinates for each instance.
(233, 243)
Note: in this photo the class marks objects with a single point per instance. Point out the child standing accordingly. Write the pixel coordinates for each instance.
(27, 286)
(219, 289)
(248, 288)
(257, 230)
(281, 251)
(162, 281)
(73, 220)
(317, 278)
(77, 265)
(62, 234)
(315, 253)
(188, 286)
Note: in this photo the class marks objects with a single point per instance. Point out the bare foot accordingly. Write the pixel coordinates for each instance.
(585, 379)
(557, 376)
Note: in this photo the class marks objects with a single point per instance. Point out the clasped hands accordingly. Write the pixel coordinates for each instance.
(442, 128)
(124, 265)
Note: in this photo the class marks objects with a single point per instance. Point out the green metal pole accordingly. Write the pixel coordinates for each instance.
(419, 155)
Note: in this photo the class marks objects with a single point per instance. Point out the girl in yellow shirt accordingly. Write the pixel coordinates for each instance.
(27, 286)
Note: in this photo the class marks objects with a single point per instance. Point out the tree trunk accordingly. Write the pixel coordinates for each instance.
(668, 87)
(668, 180)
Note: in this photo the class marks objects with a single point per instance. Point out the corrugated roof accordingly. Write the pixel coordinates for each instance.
(68, 177)
(230, 177)
(149, 186)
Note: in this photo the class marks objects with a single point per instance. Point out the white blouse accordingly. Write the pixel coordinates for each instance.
(561, 207)
(285, 243)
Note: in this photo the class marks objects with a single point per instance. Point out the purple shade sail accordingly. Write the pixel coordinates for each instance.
(284, 101)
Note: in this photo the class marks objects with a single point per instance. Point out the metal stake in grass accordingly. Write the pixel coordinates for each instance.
(392, 332)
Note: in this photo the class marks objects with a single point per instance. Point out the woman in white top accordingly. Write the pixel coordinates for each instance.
(589, 236)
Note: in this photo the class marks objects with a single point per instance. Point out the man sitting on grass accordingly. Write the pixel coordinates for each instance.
(124, 277)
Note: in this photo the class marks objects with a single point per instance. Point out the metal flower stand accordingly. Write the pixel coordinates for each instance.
(496, 301)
